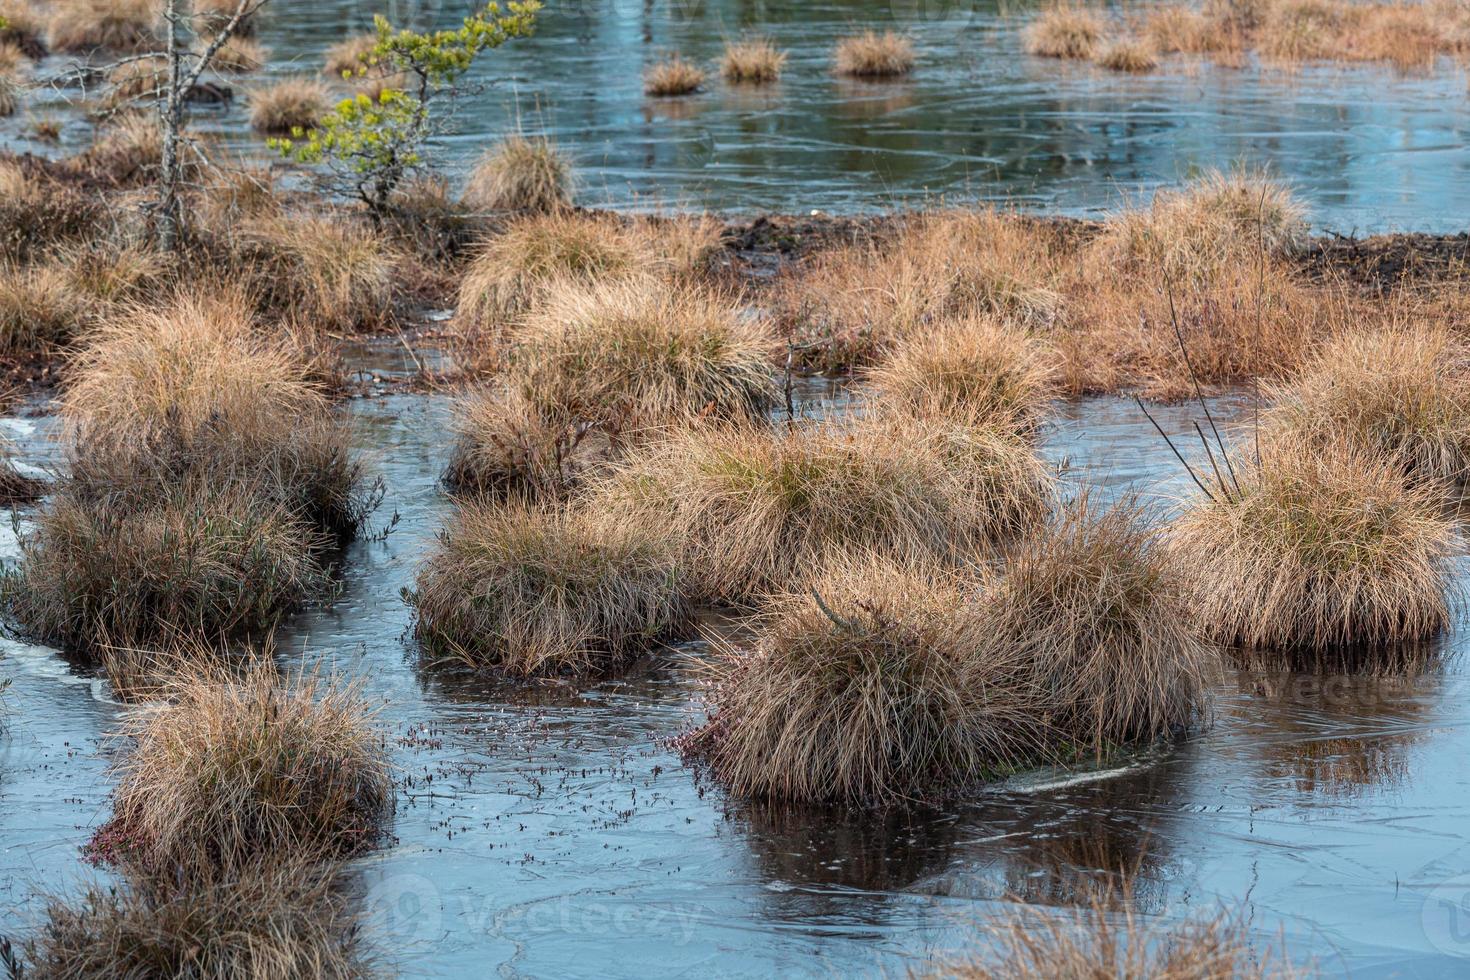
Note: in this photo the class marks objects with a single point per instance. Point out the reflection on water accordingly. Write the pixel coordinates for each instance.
(549, 830)
(1369, 149)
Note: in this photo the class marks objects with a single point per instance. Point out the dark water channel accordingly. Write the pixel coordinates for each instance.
(550, 832)
(1368, 148)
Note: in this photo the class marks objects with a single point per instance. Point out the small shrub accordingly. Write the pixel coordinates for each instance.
(521, 174)
(754, 61)
(228, 773)
(757, 508)
(1316, 550)
(1065, 31)
(873, 685)
(531, 591)
(80, 26)
(673, 76)
(874, 55)
(1127, 55)
(1403, 393)
(273, 923)
(295, 104)
(981, 368)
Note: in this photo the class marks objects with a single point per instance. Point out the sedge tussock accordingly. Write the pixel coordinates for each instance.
(535, 591)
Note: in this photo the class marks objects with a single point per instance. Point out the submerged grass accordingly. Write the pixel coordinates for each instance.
(534, 591)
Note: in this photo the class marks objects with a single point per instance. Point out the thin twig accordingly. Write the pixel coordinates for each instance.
(1194, 379)
(1189, 469)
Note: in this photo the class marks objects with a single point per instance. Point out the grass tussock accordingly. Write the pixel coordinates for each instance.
(870, 686)
(980, 367)
(40, 313)
(1216, 220)
(1065, 30)
(11, 94)
(276, 922)
(147, 566)
(1098, 608)
(849, 306)
(1317, 550)
(1112, 939)
(874, 55)
(757, 508)
(288, 106)
(521, 174)
(81, 26)
(13, 62)
(753, 61)
(1126, 55)
(532, 591)
(882, 680)
(228, 773)
(351, 56)
(593, 366)
(673, 76)
(240, 55)
(537, 254)
(38, 213)
(1399, 392)
(129, 153)
(25, 28)
(326, 274)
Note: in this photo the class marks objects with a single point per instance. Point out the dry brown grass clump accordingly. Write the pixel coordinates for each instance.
(120, 25)
(598, 364)
(40, 312)
(289, 105)
(874, 55)
(1399, 392)
(852, 304)
(278, 922)
(1171, 29)
(13, 61)
(758, 508)
(37, 214)
(533, 591)
(240, 55)
(1317, 549)
(984, 368)
(351, 56)
(1300, 30)
(874, 684)
(10, 94)
(25, 27)
(231, 772)
(1214, 221)
(673, 76)
(1104, 940)
(518, 268)
(1127, 55)
(1097, 606)
(144, 565)
(1065, 30)
(521, 174)
(326, 274)
(753, 61)
(142, 79)
(129, 152)
(190, 388)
